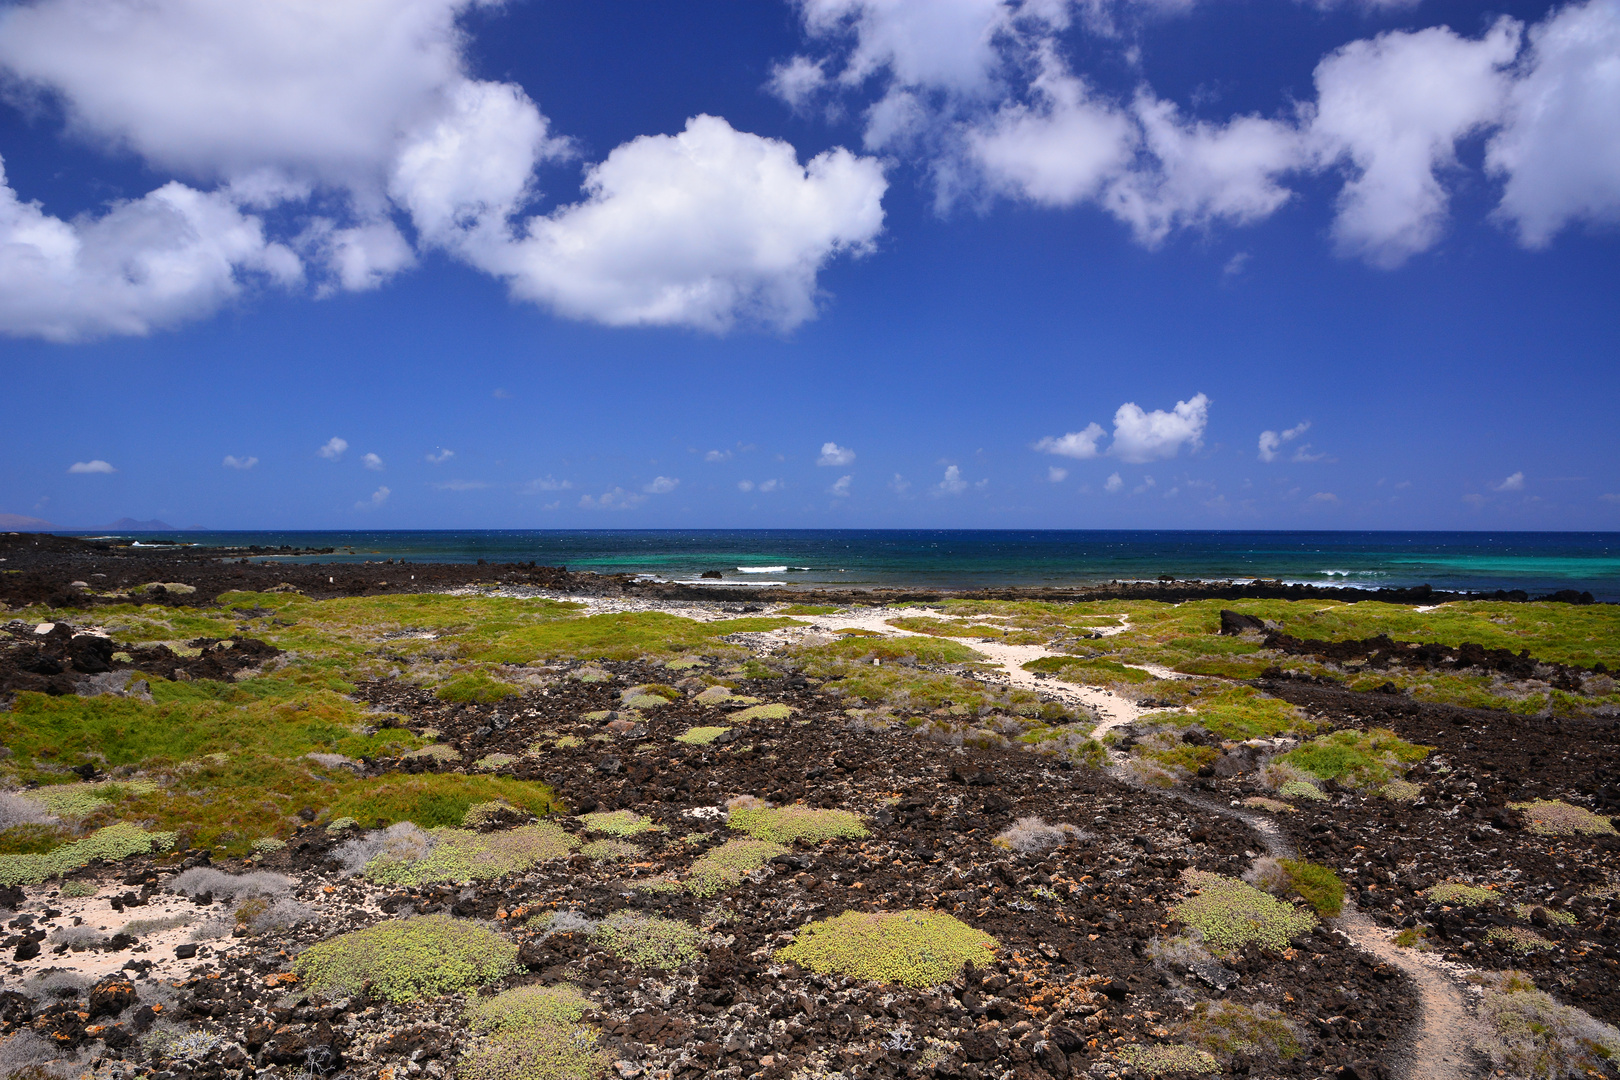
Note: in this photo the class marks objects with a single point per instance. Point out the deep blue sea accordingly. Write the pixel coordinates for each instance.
(1463, 561)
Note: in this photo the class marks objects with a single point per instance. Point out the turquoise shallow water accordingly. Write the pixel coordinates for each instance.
(1465, 561)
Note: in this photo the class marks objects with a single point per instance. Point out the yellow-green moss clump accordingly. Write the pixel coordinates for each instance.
(648, 940)
(478, 687)
(406, 959)
(609, 850)
(701, 736)
(1230, 914)
(1461, 894)
(111, 843)
(462, 855)
(532, 1033)
(786, 824)
(1357, 758)
(1169, 1058)
(619, 823)
(760, 712)
(729, 863)
(1318, 885)
(1553, 817)
(914, 948)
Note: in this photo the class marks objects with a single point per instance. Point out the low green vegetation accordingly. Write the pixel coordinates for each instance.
(619, 823)
(701, 736)
(1167, 1058)
(1462, 894)
(525, 1007)
(774, 711)
(1360, 759)
(111, 843)
(913, 948)
(729, 863)
(1230, 914)
(407, 959)
(532, 1033)
(459, 855)
(477, 687)
(648, 940)
(1229, 1029)
(1317, 885)
(809, 609)
(1553, 817)
(1531, 1035)
(788, 824)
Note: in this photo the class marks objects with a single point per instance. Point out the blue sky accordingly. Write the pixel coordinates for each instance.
(971, 263)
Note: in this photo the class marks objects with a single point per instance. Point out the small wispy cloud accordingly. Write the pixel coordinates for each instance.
(717, 455)
(617, 499)
(376, 501)
(334, 448)
(1056, 475)
(545, 483)
(1610, 497)
(662, 485)
(1323, 497)
(1271, 441)
(1113, 483)
(899, 485)
(835, 455)
(501, 394)
(373, 462)
(1234, 266)
(92, 467)
(840, 487)
(461, 485)
(1511, 483)
(440, 457)
(233, 462)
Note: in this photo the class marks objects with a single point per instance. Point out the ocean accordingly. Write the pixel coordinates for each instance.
(969, 559)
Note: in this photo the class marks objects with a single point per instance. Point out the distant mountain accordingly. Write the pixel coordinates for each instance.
(131, 525)
(20, 523)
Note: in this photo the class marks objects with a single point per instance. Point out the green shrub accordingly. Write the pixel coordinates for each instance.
(111, 843)
(1355, 758)
(1301, 789)
(406, 959)
(486, 813)
(1318, 885)
(729, 863)
(78, 888)
(913, 948)
(475, 688)
(786, 824)
(462, 855)
(1553, 817)
(619, 823)
(648, 940)
(1230, 914)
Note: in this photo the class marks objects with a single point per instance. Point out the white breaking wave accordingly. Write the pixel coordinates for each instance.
(769, 569)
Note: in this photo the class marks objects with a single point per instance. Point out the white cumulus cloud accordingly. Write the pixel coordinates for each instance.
(1057, 475)
(544, 484)
(1271, 441)
(1559, 146)
(952, 484)
(717, 456)
(91, 467)
(372, 462)
(334, 448)
(840, 487)
(1113, 483)
(662, 485)
(1514, 482)
(440, 456)
(1077, 444)
(1141, 436)
(702, 229)
(833, 454)
(233, 462)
